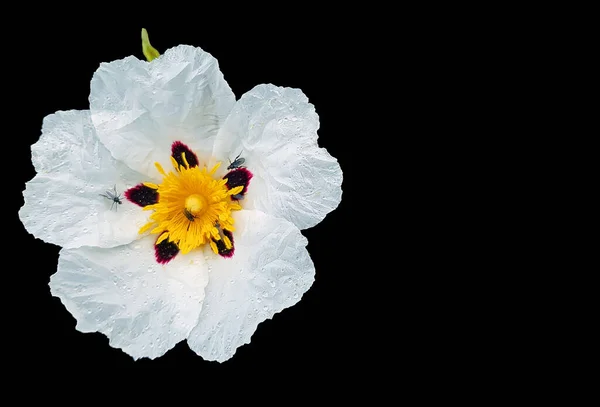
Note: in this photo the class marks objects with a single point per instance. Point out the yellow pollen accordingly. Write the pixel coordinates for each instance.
(191, 202)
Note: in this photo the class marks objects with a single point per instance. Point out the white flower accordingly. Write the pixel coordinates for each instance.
(159, 242)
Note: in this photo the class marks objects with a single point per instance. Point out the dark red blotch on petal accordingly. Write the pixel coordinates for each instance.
(142, 195)
(238, 177)
(223, 250)
(165, 251)
(177, 148)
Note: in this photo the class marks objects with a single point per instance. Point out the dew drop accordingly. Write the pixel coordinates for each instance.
(265, 294)
(266, 308)
(295, 295)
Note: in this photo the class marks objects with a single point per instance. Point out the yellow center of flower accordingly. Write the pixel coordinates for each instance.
(194, 204)
(193, 208)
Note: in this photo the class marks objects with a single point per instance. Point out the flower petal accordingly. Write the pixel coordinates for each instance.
(63, 205)
(140, 108)
(275, 129)
(143, 308)
(270, 271)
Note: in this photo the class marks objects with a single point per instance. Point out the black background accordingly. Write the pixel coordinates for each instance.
(329, 329)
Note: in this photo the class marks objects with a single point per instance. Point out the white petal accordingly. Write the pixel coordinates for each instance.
(269, 271)
(144, 308)
(140, 108)
(276, 131)
(63, 205)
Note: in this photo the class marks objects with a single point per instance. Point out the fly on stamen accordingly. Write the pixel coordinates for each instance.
(114, 197)
(189, 217)
(218, 226)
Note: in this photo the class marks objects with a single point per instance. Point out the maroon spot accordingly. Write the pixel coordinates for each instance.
(236, 178)
(142, 195)
(165, 251)
(177, 148)
(222, 249)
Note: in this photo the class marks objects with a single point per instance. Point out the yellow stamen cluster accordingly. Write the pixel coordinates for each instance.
(193, 208)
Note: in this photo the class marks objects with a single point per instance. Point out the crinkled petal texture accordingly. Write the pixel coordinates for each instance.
(63, 205)
(144, 308)
(270, 271)
(140, 108)
(275, 129)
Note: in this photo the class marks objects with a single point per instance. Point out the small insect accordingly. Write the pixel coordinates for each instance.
(237, 163)
(221, 234)
(113, 196)
(189, 217)
(237, 197)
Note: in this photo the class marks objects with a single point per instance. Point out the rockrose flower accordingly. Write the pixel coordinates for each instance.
(178, 208)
